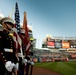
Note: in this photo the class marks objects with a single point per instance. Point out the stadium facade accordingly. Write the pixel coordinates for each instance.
(60, 43)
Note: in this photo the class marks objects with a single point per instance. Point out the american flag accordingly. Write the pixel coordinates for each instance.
(17, 26)
(16, 29)
(27, 39)
(17, 18)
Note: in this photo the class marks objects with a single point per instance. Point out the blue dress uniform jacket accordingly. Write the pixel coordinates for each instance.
(6, 43)
(21, 65)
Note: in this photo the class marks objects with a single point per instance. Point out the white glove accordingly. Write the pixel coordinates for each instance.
(29, 61)
(24, 61)
(16, 66)
(32, 63)
(9, 66)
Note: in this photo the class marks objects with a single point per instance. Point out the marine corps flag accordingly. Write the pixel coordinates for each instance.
(16, 34)
(27, 39)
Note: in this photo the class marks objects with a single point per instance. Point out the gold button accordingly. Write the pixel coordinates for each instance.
(2, 53)
(11, 50)
(5, 60)
(3, 56)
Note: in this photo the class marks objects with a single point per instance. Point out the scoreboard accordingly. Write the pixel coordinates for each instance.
(61, 43)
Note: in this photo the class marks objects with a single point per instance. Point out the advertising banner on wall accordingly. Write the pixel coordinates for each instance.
(65, 45)
(58, 43)
(51, 44)
(35, 59)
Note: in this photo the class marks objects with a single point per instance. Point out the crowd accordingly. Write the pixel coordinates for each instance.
(48, 55)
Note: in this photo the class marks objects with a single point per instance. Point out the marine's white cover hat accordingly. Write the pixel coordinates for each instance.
(7, 19)
(22, 31)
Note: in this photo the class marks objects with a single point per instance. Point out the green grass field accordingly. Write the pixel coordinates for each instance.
(65, 68)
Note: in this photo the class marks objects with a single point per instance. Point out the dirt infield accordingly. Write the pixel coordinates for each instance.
(43, 71)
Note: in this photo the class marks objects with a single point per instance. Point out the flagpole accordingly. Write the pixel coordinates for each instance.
(11, 12)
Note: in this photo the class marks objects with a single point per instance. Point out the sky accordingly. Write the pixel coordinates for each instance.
(54, 17)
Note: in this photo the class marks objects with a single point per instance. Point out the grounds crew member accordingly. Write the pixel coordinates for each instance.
(8, 58)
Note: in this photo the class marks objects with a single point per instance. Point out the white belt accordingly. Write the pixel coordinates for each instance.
(8, 50)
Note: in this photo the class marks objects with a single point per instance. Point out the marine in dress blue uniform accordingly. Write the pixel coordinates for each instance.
(7, 49)
(27, 69)
(21, 65)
